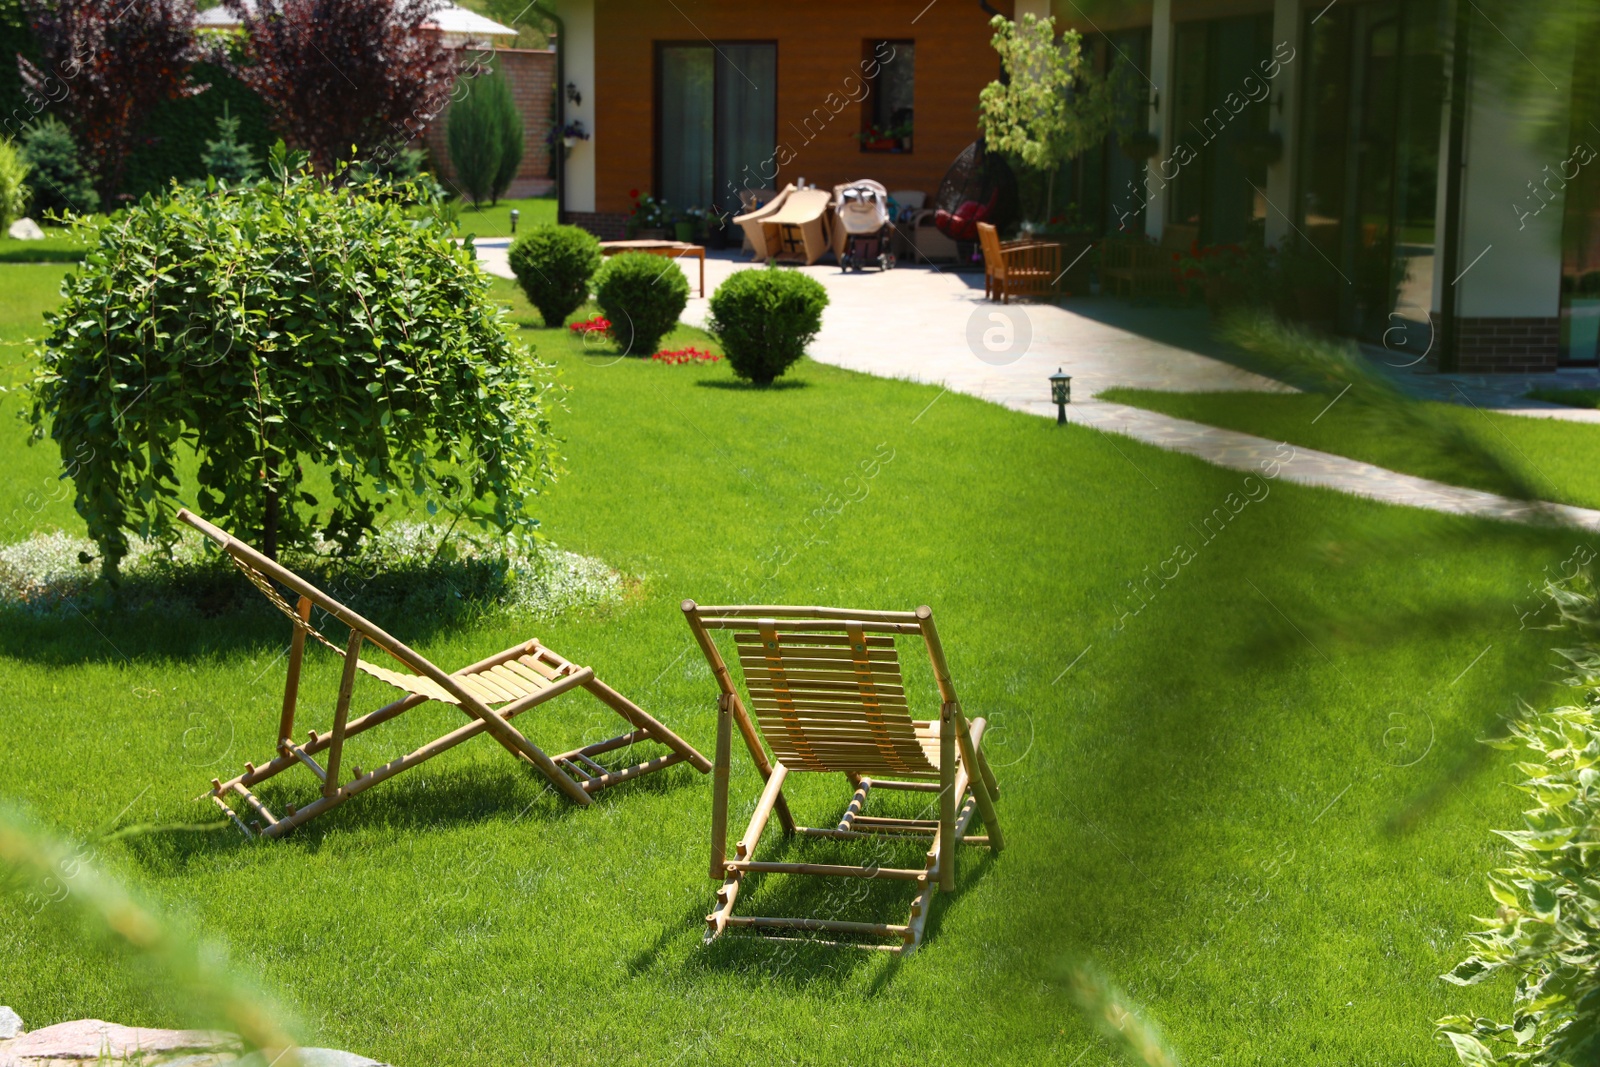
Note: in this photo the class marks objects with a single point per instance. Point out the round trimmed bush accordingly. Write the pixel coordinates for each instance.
(286, 336)
(642, 295)
(553, 264)
(765, 319)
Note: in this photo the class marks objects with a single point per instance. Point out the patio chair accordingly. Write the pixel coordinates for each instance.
(1134, 266)
(490, 692)
(1017, 268)
(827, 691)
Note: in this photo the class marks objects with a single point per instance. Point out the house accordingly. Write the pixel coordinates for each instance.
(696, 100)
(1454, 217)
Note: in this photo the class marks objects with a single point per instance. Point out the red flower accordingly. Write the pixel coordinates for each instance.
(633, 193)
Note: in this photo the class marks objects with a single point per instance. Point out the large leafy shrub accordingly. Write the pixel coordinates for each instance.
(13, 184)
(337, 73)
(1546, 930)
(765, 319)
(107, 64)
(554, 265)
(484, 134)
(56, 173)
(642, 295)
(288, 334)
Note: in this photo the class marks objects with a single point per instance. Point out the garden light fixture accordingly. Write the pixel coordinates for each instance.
(515, 214)
(1060, 394)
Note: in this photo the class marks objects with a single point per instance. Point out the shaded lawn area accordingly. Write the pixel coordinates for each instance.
(1249, 789)
(495, 221)
(1560, 460)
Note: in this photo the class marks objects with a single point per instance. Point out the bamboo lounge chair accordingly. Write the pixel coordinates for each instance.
(520, 678)
(827, 691)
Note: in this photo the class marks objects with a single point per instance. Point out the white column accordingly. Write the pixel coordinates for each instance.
(577, 55)
(1284, 119)
(1155, 212)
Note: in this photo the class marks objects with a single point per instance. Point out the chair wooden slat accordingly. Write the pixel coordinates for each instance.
(491, 692)
(827, 694)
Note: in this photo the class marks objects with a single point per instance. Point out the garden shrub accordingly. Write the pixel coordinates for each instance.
(225, 158)
(57, 175)
(765, 319)
(172, 144)
(554, 264)
(1546, 929)
(642, 295)
(13, 184)
(484, 133)
(290, 333)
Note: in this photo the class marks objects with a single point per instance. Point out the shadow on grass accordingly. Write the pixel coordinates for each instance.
(410, 804)
(739, 385)
(203, 611)
(803, 960)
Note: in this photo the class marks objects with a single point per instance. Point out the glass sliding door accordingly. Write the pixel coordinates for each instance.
(1579, 169)
(1369, 164)
(746, 122)
(1219, 110)
(716, 107)
(687, 112)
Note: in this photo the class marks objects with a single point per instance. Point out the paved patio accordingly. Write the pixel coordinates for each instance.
(934, 326)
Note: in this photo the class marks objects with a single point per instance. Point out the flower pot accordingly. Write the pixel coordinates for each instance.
(880, 144)
(684, 231)
(569, 141)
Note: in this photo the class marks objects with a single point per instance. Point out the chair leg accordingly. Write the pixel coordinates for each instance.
(719, 788)
(947, 797)
(341, 711)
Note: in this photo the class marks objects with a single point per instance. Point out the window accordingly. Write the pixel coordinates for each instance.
(886, 112)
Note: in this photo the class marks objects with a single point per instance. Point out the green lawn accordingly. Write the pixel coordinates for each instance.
(1559, 460)
(1576, 398)
(495, 221)
(58, 246)
(1251, 792)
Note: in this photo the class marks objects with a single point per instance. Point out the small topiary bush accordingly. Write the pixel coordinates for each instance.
(1545, 933)
(554, 265)
(288, 335)
(765, 319)
(57, 175)
(642, 295)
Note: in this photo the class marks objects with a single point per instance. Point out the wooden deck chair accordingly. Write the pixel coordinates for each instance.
(826, 688)
(490, 692)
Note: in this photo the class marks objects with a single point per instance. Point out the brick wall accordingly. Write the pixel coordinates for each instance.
(1507, 345)
(532, 77)
(606, 225)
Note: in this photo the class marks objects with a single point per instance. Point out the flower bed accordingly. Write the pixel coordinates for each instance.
(686, 355)
(595, 324)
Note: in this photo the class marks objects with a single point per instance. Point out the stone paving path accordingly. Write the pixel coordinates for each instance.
(936, 327)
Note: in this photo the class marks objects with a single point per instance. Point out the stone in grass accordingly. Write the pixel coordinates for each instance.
(312, 1057)
(94, 1041)
(26, 230)
(10, 1024)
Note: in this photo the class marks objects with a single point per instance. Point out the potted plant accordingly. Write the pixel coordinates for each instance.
(572, 133)
(648, 222)
(1226, 274)
(687, 227)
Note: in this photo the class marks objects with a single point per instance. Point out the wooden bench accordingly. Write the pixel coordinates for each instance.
(672, 249)
(1137, 266)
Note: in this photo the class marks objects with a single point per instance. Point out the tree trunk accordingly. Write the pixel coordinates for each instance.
(269, 524)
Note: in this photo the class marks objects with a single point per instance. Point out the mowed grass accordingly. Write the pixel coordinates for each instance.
(1557, 459)
(495, 220)
(1248, 784)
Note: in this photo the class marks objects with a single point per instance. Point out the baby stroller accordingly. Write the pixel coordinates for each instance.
(862, 225)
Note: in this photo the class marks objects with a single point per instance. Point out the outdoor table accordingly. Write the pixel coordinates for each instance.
(674, 249)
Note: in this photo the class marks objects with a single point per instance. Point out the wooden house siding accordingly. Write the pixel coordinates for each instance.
(820, 46)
